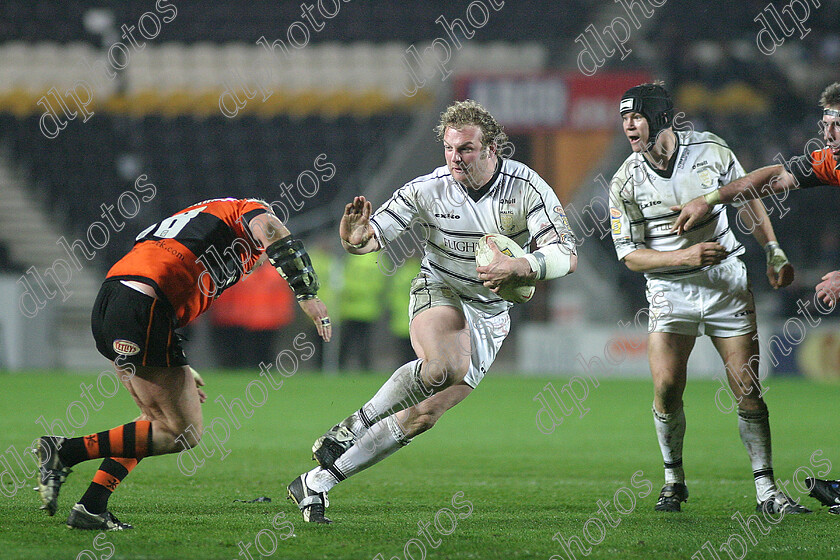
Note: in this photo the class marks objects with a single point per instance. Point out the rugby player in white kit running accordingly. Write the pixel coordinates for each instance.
(458, 321)
(695, 281)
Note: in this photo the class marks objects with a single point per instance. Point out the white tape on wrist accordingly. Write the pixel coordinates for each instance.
(713, 197)
(356, 245)
(536, 265)
(775, 256)
(551, 261)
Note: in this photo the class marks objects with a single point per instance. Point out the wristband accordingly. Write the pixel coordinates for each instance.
(713, 197)
(355, 245)
(775, 256)
(537, 264)
(550, 261)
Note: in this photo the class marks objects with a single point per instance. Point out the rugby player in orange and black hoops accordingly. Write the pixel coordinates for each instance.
(174, 272)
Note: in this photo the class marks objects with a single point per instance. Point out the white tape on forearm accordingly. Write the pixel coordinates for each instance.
(551, 261)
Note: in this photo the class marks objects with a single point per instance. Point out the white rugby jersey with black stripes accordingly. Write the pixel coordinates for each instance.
(515, 202)
(641, 198)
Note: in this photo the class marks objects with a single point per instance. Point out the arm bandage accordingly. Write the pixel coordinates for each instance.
(551, 261)
(291, 260)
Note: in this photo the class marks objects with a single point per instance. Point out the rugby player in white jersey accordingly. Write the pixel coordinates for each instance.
(458, 320)
(695, 281)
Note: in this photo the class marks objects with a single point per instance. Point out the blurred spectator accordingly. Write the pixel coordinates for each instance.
(328, 268)
(360, 306)
(7, 265)
(247, 316)
(399, 293)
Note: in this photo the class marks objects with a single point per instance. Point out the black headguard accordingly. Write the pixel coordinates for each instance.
(651, 101)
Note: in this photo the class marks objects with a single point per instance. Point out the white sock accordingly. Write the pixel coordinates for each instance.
(320, 480)
(754, 426)
(670, 430)
(380, 441)
(403, 389)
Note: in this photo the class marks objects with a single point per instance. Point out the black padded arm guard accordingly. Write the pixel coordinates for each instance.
(290, 259)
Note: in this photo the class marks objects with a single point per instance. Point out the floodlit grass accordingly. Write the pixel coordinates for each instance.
(509, 487)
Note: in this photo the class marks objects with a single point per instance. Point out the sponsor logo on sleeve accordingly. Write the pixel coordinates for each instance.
(562, 216)
(615, 215)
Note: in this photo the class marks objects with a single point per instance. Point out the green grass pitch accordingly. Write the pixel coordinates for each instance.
(519, 487)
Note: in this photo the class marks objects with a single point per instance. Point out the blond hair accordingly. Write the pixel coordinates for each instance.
(469, 112)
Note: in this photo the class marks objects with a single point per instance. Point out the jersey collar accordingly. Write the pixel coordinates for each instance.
(672, 162)
(476, 194)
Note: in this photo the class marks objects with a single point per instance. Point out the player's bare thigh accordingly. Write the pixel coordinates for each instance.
(440, 336)
(668, 357)
(168, 397)
(740, 355)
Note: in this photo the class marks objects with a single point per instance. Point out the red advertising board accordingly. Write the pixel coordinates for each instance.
(532, 102)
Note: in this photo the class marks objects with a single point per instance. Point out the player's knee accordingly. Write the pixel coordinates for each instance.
(668, 391)
(668, 399)
(186, 432)
(438, 374)
(752, 401)
(426, 416)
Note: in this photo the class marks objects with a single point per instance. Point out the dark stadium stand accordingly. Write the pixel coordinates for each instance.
(8, 265)
(196, 158)
(216, 21)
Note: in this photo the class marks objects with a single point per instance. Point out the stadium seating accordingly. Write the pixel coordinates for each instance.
(219, 22)
(193, 158)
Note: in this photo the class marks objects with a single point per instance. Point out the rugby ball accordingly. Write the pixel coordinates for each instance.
(484, 255)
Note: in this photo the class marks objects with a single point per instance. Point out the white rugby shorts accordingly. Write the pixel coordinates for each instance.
(487, 329)
(716, 302)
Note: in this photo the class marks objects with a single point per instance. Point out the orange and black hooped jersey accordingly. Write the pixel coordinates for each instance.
(817, 168)
(195, 254)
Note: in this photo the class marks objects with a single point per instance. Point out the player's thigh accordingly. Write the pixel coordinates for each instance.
(728, 301)
(673, 306)
(668, 357)
(440, 335)
(740, 355)
(165, 394)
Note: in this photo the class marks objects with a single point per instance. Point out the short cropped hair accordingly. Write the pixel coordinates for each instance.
(469, 112)
(831, 96)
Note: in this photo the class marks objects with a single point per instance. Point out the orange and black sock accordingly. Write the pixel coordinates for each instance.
(111, 472)
(132, 440)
